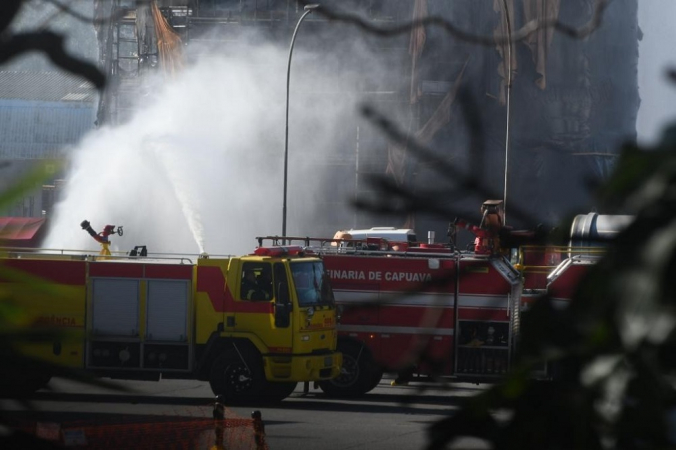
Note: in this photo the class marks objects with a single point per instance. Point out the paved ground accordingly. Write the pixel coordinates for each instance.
(388, 418)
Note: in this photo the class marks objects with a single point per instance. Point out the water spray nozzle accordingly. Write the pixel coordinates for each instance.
(101, 237)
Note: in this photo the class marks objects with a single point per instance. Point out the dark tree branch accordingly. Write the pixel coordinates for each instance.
(86, 19)
(8, 10)
(521, 34)
(52, 45)
(448, 170)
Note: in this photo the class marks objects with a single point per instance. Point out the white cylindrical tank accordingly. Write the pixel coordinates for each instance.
(595, 230)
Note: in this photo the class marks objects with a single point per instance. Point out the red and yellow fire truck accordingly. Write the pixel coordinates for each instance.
(143, 317)
(432, 309)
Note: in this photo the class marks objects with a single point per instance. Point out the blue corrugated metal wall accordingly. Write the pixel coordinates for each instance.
(38, 129)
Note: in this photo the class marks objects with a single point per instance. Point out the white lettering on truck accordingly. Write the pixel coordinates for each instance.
(347, 275)
(378, 276)
(407, 276)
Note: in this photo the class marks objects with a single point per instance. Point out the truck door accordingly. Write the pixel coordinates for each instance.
(283, 304)
(264, 304)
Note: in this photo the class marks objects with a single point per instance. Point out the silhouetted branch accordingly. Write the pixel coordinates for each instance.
(52, 45)
(92, 20)
(418, 202)
(519, 35)
(8, 10)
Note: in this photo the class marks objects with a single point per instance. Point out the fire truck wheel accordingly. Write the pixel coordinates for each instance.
(356, 374)
(237, 378)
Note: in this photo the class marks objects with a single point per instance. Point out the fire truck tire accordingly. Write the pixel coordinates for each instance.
(238, 378)
(22, 384)
(276, 392)
(357, 373)
(377, 376)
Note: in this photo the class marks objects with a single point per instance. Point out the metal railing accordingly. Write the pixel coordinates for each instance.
(91, 255)
(552, 256)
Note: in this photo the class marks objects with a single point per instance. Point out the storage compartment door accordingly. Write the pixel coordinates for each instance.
(168, 310)
(115, 307)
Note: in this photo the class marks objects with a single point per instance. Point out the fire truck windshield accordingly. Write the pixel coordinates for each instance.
(312, 284)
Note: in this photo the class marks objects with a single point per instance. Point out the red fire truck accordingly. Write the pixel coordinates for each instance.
(432, 309)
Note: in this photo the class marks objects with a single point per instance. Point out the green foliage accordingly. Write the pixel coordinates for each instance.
(613, 348)
(16, 325)
(20, 373)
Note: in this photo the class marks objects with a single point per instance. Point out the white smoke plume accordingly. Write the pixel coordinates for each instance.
(199, 168)
(195, 171)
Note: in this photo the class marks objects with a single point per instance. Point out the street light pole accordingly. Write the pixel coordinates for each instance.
(308, 9)
(508, 106)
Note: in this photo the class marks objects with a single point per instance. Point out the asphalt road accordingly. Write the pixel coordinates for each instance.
(387, 418)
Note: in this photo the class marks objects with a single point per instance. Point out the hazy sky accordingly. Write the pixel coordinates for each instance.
(656, 53)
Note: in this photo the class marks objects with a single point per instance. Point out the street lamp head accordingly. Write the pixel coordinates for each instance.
(311, 7)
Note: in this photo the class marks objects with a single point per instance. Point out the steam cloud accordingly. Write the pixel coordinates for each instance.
(200, 165)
